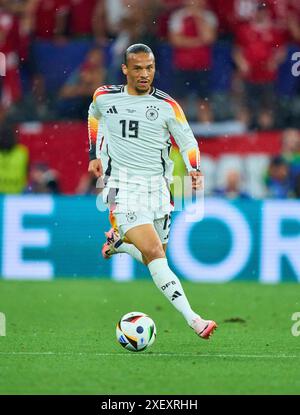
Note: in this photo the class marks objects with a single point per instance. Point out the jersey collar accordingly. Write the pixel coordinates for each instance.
(124, 90)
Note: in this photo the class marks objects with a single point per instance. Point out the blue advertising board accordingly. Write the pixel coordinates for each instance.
(44, 237)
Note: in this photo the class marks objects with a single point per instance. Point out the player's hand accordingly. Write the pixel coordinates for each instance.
(95, 167)
(197, 180)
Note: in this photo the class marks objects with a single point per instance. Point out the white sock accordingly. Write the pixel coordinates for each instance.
(167, 282)
(130, 249)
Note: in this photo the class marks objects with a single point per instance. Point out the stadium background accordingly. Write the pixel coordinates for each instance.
(250, 161)
(60, 300)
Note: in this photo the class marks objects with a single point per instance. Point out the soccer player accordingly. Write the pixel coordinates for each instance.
(132, 124)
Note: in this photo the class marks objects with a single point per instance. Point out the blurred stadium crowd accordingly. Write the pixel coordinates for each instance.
(225, 61)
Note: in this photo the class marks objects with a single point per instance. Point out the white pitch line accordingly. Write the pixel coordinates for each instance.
(222, 356)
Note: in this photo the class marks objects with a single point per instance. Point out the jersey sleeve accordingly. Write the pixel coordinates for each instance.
(184, 137)
(94, 118)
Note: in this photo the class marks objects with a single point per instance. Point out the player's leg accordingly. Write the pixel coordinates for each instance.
(114, 244)
(147, 241)
(120, 245)
(148, 245)
(173, 290)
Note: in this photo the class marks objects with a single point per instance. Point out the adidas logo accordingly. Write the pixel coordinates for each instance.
(112, 110)
(176, 295)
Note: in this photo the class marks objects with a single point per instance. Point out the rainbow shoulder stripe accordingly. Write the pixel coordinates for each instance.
(179, 114)
(107, 89)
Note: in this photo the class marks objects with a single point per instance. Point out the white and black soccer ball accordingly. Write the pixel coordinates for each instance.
(136, 331)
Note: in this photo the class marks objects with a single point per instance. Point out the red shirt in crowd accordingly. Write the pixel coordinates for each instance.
(46, 16)
(9, 32)
(282, 11)
(259, 45)
(9, 46)
(231, 13)
(169, 6)
(191, 58)
(81, 15)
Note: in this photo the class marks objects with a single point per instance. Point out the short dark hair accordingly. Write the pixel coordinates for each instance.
(136, 48)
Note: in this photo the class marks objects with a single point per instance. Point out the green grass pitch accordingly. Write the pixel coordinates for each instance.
(60, 339)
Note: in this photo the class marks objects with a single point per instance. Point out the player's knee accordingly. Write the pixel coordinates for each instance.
(154, 252)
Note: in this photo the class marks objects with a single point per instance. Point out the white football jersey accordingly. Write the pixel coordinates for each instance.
(132, 133)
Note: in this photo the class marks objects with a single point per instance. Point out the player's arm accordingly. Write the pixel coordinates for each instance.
(95, 165)
(188, 146)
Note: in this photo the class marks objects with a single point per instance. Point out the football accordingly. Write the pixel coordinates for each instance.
(136, 331)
